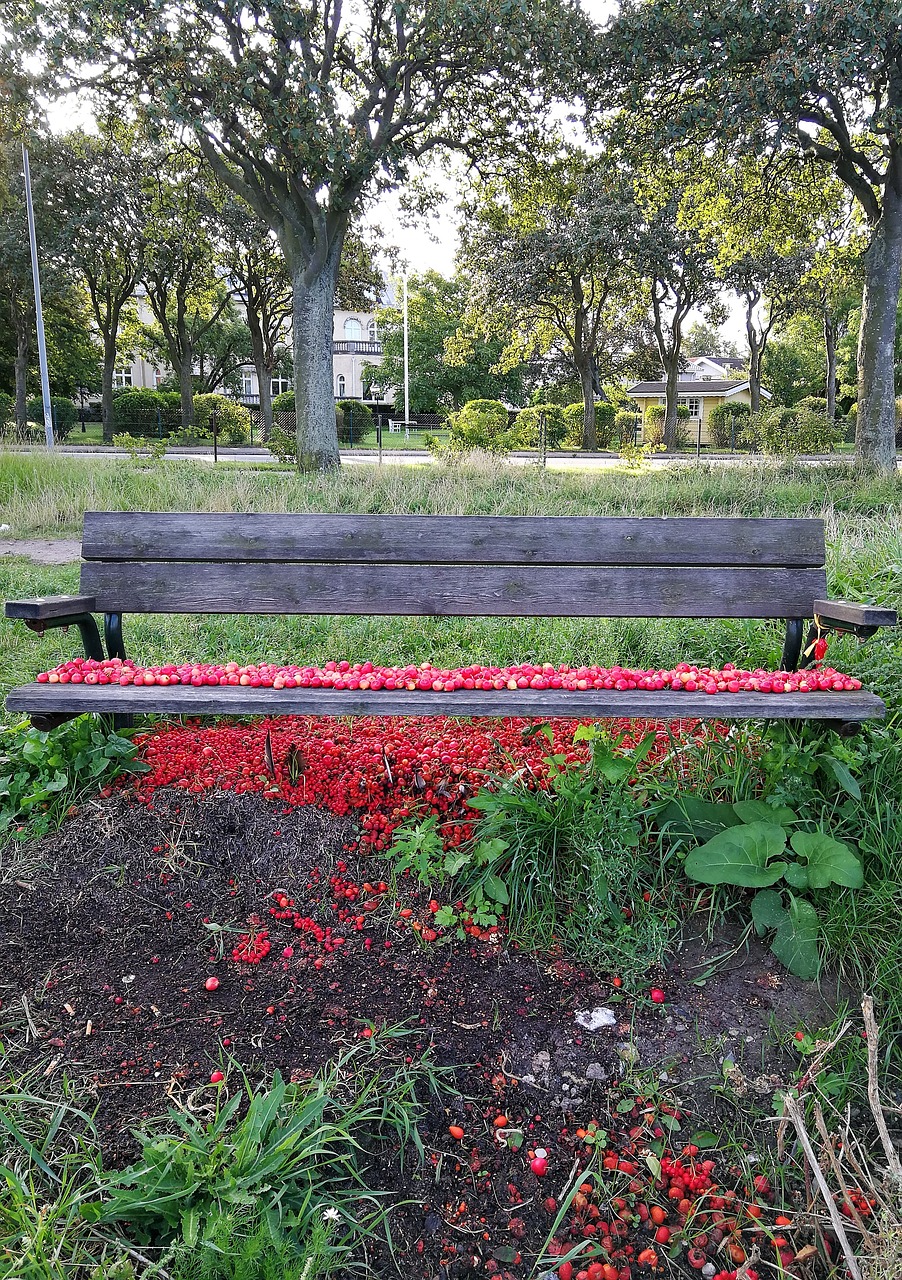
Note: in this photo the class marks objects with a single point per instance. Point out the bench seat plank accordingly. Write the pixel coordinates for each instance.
(481, 540)
(433, 590)
(188, 700)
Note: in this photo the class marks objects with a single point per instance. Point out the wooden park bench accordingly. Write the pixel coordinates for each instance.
(442, 566)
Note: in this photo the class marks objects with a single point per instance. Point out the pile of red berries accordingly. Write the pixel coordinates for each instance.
(251, 948)
(384, 769)
(425, 677)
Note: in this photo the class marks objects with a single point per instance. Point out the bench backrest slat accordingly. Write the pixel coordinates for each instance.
(372, 539)
(442, 590)
(479, 566)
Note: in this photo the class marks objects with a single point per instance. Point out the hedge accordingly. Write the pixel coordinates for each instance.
(728, 424)
(63, 411)
(480, 424)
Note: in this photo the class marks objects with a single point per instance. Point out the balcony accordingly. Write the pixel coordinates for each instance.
(356, 348)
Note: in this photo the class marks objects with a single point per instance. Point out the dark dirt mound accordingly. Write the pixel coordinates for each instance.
(112, 927)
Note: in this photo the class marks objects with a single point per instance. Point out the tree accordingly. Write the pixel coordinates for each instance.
(304, 109)
(793, 365)
(703, 339)
(360, 282)
(436, 310)
(182, 274)
(99, 189)
(817, 77)
(545, 248)
(679, 268)
(831, 292)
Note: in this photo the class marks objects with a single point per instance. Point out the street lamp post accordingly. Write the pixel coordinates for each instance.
(38, 310)
(406, 362)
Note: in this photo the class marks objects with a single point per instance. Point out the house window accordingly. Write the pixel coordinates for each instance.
(693, 404)
(278, 386)
(122, 377)
(372, 331)
(340, 386)
(247, 384)
(353, 330)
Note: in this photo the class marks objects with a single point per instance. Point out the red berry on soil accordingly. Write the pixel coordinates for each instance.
(211, 984)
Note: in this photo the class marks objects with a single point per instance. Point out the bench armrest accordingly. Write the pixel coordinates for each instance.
(845, 615)
(50, 608)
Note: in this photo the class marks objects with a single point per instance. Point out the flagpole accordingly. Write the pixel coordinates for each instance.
(38, 310)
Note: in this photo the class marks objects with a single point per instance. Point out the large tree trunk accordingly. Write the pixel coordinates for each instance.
(585, 366)
(875, 436)
(313, 300)
(830, 345)
(23, 351)
(264, 377)
(671, 397)
(186, 388)
(756, 351)
(106, 387)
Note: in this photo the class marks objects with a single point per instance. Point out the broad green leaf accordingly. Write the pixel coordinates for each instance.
(829, 861)
(504, 1253)
(761, 811)
(842, 775)
(454, 862)
(496, 889)
(767, 909)
(483, 800)
(654, 1164)
(690, 816)
(704, 1139)
(741, 856)
(586, 733)
(795, 942)
(797, 876)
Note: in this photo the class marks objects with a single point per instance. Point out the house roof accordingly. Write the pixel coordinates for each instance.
(726, 362)
(691, 386)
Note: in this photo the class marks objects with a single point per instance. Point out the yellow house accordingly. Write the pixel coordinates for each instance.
(704, 384)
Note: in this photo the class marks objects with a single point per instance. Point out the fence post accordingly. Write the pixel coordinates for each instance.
(543, 440)
(214, 429)
(698, 441)
(379, 436)
(733, 434)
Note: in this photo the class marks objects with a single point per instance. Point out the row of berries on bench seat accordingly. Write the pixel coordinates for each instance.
(428, 678)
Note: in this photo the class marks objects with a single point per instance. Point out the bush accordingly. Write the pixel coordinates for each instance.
(232, 421)
(728, 424)
(170, 410)
(624, 427)
(786, 432)
(605, 414)
(64, 411)
(812, 404)
(283, 402)
(525, 432)
(480, 424)
(138, 411)
(353, 420)
(653, 425)
(7, 405)
(282, 444)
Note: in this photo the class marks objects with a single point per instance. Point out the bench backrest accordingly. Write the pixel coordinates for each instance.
(496, 566)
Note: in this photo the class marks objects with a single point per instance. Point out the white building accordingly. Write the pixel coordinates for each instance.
(355, 345)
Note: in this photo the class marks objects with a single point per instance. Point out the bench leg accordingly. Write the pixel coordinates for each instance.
(112, 631)
(792, 644)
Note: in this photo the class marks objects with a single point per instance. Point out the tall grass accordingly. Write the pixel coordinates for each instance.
(44, 496)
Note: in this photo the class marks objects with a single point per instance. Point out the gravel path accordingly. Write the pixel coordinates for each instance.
(42, 550)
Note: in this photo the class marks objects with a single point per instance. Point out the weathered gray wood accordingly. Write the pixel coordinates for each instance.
(43, 699)
(43, 608)
(539, 591)
(396, 539)
(862, 615)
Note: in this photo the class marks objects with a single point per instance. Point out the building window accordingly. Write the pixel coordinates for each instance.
(353, 330)
(693, 404)
(158, 378)
(340, 386)
(372, 331)
(247, 384)
(278, 386)
(122, 377)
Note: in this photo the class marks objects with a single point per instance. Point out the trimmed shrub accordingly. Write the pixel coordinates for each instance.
(726, 419)
(283, 444)
(138, 411)
(170, 410)
(605, 415)
(786, 432)
(283, 402)
(524, 434)
(233, 420)
(64, 411)
(480, 424)
(812, 404)
(353, 420)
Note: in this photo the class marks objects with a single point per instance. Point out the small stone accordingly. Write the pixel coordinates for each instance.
(595, 1071)
(595, 1019)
